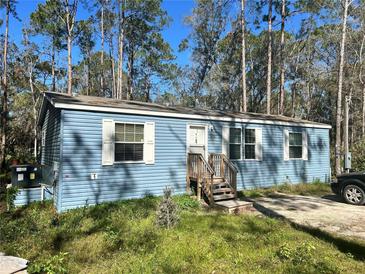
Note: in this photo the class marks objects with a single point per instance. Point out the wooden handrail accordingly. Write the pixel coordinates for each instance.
(199, 169)
(223, 167)
(203, 172)
(197, 165)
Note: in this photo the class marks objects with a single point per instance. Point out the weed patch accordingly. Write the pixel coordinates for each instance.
(122, 237)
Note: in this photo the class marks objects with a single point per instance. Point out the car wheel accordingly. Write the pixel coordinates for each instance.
(354, 195)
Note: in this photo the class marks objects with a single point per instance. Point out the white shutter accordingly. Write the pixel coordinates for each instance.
(149, 143)
(225, 140)
(286, 145)
(258, 147)
(305, 145)
(108, 142)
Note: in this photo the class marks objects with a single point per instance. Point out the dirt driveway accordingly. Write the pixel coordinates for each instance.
(326, 214)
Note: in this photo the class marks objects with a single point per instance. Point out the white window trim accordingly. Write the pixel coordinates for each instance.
(242, 158)
(244, 144)
(129, 161)
(304, 146)
(206, 126)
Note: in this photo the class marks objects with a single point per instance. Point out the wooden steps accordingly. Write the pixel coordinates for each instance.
(222, 190)
(215, 177)
(223, 197)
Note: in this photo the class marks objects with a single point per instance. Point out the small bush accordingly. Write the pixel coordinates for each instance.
(358, 155)
(167, 213)
(302, 259)
(301, 254)
(54, 265)
(11, 193)
(185, 202)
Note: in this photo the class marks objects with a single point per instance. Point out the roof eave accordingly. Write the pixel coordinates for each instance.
(186, 116)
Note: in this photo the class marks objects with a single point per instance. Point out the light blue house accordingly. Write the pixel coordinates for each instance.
(98, 149)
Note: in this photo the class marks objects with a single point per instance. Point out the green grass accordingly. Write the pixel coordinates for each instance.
(122, 237)
(312, 189)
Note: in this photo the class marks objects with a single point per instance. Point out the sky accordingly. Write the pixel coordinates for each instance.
(173, 34)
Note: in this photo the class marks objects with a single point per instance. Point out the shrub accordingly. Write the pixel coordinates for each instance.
(358, 155)
(11, 193)
(301, 254)
(185, 202)
(167, 213)
(54, 265)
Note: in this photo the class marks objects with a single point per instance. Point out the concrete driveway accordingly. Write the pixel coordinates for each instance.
(324, 213)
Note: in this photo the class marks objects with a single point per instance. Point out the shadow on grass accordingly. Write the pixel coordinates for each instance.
(357, 249)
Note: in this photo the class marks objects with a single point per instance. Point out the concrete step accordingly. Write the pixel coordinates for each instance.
(234, 206)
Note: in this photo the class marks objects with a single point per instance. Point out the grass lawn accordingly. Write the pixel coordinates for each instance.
(305, 189)
(122, 237)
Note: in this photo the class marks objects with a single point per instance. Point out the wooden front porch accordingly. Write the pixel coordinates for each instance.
(214, 179)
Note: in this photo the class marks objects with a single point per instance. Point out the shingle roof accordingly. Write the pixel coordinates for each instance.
(61, 100)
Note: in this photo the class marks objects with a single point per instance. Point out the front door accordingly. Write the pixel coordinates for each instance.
(198, 140)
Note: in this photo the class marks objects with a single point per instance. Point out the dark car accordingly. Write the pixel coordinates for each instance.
(351, 187)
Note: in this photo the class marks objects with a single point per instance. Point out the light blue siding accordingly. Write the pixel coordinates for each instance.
(28, 195)
(51, 126)
(81, 140)
(274, 170)
(51, 151)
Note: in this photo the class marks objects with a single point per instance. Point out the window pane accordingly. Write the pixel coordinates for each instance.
(129, 133)
(119, 152)
(128, 152)
(139, 137)
(250, 136)
(139, 133)
(295, 152)
(235, 135)
(235, 151)
(138, 152)
(119, 132)
(295, 138)
(139, 129)
(250, 152)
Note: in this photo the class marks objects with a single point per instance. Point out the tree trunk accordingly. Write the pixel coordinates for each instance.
(244, 92)
(282, 68)
(293, 95)
(102, 50)
(130, 74)
(88, 73)
(112, 66)
(269, 59)
(53, 67)
(69, 65)
(70, 23)
(4, 118)
(363, 112)
(34, 99)
(339, 92)
(120, 49)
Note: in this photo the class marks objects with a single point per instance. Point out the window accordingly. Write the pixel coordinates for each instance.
(247, 146)
(235, 143)
(250, 144)
(129, 141)
(295, 145)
